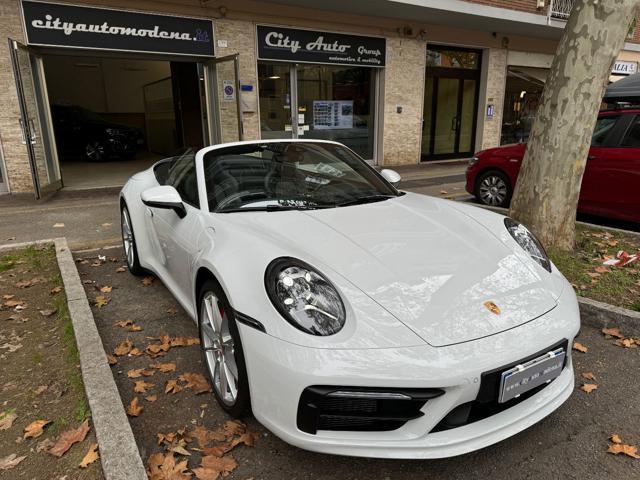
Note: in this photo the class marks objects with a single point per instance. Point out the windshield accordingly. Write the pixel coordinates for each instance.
(289, 175)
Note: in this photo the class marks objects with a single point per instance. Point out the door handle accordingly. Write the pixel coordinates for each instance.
(23, 130)
(32, 129)
(454, 123)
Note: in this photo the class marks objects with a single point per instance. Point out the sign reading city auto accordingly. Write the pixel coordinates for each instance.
(624, 68)
(54, 24)
(307, 46)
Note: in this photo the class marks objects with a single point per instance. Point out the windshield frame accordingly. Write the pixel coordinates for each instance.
(202, 187)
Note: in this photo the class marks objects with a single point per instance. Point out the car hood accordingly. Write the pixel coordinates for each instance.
(427, 263)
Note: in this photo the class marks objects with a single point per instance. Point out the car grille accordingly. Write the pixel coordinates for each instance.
(360, 409)
(486, 403)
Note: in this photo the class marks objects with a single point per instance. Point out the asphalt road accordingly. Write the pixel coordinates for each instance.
(571, 443)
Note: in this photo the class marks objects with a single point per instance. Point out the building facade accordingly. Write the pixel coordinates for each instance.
(83, 83)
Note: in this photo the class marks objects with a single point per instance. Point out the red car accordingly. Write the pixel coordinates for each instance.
(611, 182)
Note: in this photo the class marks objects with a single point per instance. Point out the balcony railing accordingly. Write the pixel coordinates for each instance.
(560, 9)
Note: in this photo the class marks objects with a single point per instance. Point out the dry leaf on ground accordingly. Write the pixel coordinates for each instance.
(164, 367)
(101, 301)
(134, 409)
(141, 386)
(579, 347)
(128, 325)
(184, 341)
(164, 467)
(111, 359)
(147, 281)
(55, 290)
(10, 461)
(613, 332)
(139, 372)
(211, 467)
(196, 382)
(151, 398)
(6, 420)
(628, 450)
(67, 438)
(172, 386)
(588, 376)
(48, 312)
(35, 429)
(588, 387)
(123, 348)
(247, 438)
(91, 456)
(121, 269)
(615, 438)
(106, 289)
(172, 311)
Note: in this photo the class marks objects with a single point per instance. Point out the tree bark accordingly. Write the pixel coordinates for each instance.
(546, 194)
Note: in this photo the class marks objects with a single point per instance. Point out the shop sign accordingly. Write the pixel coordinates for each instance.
(308, 46)
(624, 68)
(71, 26)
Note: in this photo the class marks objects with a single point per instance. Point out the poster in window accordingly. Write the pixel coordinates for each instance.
(332, 114)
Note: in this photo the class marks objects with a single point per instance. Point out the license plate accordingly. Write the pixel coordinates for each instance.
(529, 375)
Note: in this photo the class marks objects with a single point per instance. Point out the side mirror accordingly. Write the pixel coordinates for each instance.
(391, 176)
(165, 197)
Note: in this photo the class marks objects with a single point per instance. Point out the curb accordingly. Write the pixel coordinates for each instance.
(118, 450)
(602, 315)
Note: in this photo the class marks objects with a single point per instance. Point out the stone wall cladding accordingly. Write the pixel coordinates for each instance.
(496, 81)
(519, 5)
(403, 87)
(14, 151)
(240, 37)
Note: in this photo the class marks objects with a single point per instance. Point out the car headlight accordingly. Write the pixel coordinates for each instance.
(304, 297)
(528, 242)
(473, 160)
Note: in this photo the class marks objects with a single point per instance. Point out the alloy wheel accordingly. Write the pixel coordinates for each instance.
(94, 151)
(127, 239)
(219, 348)
(493, 190)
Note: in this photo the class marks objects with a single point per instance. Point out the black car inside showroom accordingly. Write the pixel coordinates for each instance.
(115, 116)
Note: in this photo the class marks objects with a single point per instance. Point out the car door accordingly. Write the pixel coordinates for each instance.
(597, 190)
(177, 237)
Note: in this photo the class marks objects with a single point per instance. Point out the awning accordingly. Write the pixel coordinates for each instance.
(625, 90)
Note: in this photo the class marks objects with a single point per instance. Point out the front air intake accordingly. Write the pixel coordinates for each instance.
(360, 409)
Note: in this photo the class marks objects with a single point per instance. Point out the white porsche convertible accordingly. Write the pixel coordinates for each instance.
(353, 318)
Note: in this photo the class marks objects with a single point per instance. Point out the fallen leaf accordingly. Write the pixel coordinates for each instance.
(101, 301)
(139, 372)
(626, 343)
(588, 376)
(135, 352)
(196, 382)
(6, 419)
(121, 269)
(44, 445)
(172, 386)
(148, 281)
(247, 438)
(134, 409)
(14, 303)
(48, 313)
(123, 348)
(10, 461)
(35, 429)
(201, 434)
(111, 359)
(107, 225)
(601, 269)
(141, 386)
(179, 449)
(164, 467)
(91, 456)
(588, 387)
(628, 450)
(106, 289)
(41, 389)
(613, 332)
(210, 464)
(8, 297)
(69, 437)
(184, 341)
(172, 311)
(234, 427)
(164, 367)
(615, 438)
(58, 225)
(128, 325)
(151, 398)
(579, 347)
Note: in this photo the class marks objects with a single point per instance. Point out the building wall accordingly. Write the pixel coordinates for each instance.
(15, 152)
(496, 59)
(403, 88)
(529, 6)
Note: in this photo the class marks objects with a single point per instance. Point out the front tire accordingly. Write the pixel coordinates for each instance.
(222, 352)
(493, 188)
(129, 243)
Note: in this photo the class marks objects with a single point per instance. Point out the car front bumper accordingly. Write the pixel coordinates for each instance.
(279, 372)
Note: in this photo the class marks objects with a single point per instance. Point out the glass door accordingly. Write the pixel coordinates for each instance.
(274, 86)
(224, 113)
(34, 119)
(450, 103)
(4, 188)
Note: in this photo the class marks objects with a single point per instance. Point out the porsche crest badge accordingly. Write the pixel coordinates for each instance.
(492, 307)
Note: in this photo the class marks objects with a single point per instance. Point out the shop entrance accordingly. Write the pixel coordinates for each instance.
(93, 121)
(450, 103)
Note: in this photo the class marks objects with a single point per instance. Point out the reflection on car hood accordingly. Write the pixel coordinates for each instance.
(425, 262)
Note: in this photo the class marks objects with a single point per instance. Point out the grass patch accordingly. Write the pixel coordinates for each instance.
(37, 358)
(7, 262)
(584, 268)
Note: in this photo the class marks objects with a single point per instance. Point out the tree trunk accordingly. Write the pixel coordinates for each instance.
(546, 195)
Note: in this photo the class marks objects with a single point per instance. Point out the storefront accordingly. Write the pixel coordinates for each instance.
(319, 85)
(104, 93)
